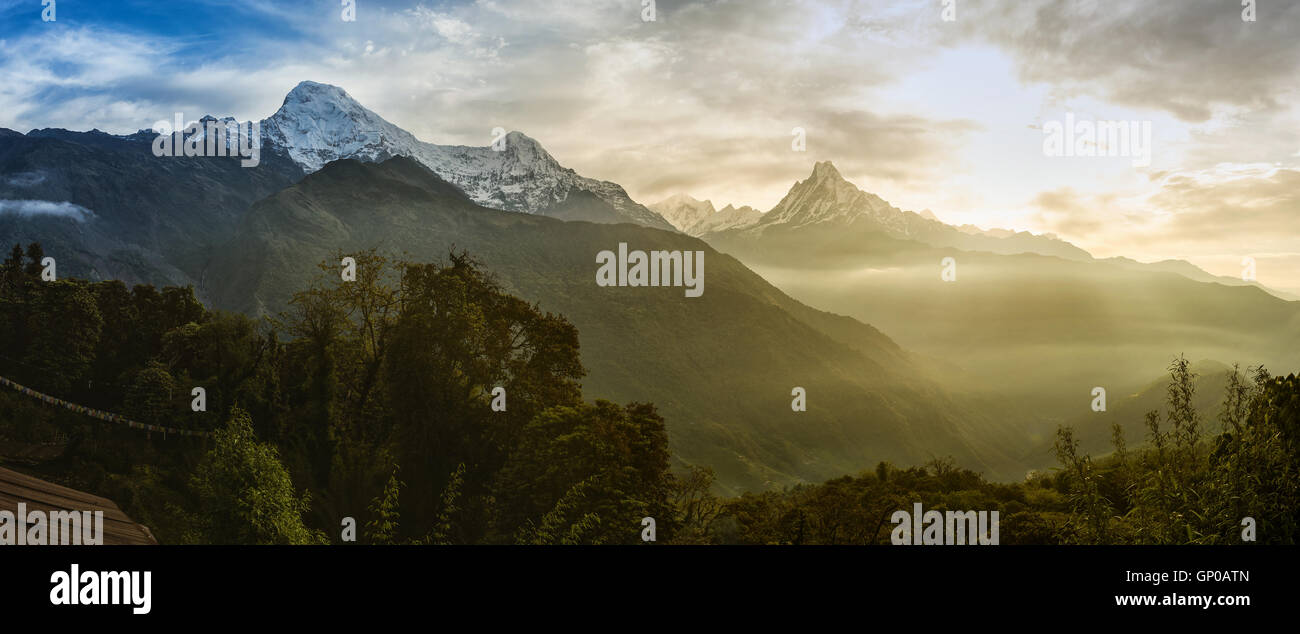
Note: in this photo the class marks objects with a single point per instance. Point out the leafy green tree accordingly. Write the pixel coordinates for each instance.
(589, 463)
(385, 513)
(246, 494)
(152, 395)
(458, 337)
(63, 326)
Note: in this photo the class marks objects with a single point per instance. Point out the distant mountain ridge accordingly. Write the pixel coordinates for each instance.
(698, 217)
(729, 217)
(682, 210)
(826, 199)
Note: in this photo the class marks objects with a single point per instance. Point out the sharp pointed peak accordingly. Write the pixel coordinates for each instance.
(825, 169)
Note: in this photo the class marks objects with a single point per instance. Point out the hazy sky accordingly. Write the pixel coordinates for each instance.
(927, 113)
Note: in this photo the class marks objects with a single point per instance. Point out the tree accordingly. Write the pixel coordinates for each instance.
(63, 326)
(35, 253)
(589, 463)
(385, 514)
(246, 494)
(151, 396)
(697, 508)
(459, 336)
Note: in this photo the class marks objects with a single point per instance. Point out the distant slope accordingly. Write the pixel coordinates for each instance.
(720, 367)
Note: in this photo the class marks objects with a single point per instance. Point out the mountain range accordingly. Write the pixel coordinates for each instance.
(319, 123)
(981, 368)
(698, 217)
(143, 218)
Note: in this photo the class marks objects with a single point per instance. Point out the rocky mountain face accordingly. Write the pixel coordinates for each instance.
(320, 123)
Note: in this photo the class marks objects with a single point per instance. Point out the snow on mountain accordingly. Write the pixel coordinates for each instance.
(698, 217)
(729, 217)
(319, 123)
(683, 211)
(825, 197)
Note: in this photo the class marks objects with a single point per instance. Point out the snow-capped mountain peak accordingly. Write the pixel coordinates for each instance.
(729, 217)
(825, 201)
(319, 123)
(826, 197)
(683, 211)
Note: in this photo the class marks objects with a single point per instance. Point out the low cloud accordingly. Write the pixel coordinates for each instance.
(25, 179)
(32, 208)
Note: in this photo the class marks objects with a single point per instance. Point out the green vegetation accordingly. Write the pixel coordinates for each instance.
(396, 368)
(1182, 487)
(373, 399)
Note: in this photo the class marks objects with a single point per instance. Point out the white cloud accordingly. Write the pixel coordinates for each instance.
(29, 208)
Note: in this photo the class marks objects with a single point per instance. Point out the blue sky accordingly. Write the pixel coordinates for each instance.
(926, 113)
(201, 21)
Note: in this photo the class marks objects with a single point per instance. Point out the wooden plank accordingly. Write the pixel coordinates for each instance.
(122, 525)
(40, 495)
(15, 478)
(56, 499)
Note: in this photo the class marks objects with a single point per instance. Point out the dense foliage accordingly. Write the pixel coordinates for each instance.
(377, 399)
(314, 412)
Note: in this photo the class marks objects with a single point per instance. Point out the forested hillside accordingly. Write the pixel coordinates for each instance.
(377, 400)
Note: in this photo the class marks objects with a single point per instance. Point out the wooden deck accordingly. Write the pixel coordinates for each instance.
(40, 495)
